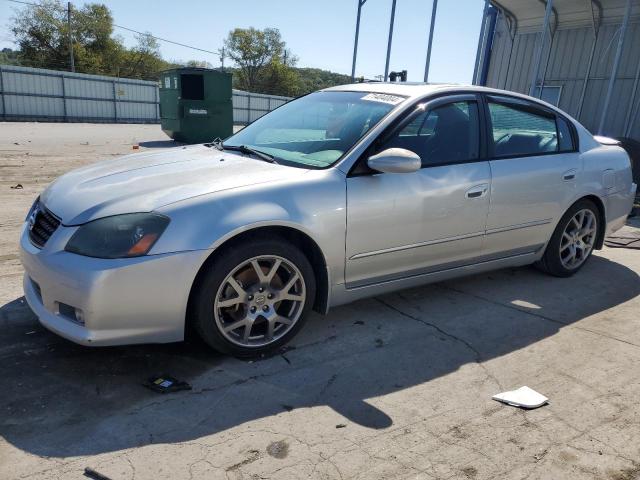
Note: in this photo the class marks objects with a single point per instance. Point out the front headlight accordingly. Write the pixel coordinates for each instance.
(120, 236)
(36, 202)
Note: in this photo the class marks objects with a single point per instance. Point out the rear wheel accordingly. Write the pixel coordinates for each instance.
(254, 297)
(572, 241)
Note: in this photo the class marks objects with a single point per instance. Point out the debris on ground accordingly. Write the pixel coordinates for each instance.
(91, 473)
(523, 397)
(166, 384)
(17, 187)
(625, 238)
(340, 425)
(539, 456)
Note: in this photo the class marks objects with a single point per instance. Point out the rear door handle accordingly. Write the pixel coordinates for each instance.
(478, 191)
(569, 174)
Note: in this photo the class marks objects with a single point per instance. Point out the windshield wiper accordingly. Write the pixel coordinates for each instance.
(215, 143)
(248, 151)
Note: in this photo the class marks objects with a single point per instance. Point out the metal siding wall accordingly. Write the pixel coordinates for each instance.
(567, 67)
(519, 74)
(622, 89)
(497, 75)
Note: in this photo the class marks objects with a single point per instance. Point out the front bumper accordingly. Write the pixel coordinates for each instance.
(123, 301)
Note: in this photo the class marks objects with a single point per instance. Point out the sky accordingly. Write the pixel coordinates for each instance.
(319, 32)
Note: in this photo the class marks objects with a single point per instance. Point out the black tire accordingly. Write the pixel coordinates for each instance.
(217, 270)
(551, 262)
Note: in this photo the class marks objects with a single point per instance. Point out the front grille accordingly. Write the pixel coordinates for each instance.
(42, 224)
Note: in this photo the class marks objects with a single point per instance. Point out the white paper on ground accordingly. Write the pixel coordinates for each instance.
(522, 397)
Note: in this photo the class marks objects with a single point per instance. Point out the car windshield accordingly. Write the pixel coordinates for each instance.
(314, 131)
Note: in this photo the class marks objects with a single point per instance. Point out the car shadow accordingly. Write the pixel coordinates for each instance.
(63, 400)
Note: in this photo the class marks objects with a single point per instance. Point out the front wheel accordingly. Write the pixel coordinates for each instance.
(254, 297)
(572, 241)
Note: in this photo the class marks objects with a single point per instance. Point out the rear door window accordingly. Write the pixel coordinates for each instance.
(522, 129)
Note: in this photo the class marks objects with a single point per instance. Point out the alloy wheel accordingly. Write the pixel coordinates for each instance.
(578, 239)
(259, 301)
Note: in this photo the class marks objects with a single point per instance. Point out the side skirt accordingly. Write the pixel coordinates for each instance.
(342, 294)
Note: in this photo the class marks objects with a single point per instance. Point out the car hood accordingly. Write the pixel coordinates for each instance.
(143, 182)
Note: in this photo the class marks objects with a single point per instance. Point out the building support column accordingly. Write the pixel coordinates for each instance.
(616, 64)
(355, 41)
(540, 48)
(4, 107)
(596, 30)
(434, 9)
(628, 123)
(393, 15)
(476, 67)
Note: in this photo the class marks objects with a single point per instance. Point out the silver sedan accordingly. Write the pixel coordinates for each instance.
(346, 193)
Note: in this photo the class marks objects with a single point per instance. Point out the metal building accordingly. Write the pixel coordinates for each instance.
(581, 55)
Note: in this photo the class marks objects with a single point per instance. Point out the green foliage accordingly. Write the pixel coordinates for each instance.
(257, 55)
(9, 57)
(42, 34)
(312, 79)
(265, 65)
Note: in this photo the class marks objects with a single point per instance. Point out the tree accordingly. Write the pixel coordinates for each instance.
(253, 51)
(144, 60)
(42, 33)
(9, 57)
(278, 78)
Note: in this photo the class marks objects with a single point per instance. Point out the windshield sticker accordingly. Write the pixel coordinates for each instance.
(383, 97)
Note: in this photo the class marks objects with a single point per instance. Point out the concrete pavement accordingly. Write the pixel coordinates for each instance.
(394, 387)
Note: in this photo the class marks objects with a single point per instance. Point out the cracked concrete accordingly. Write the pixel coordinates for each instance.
(408, 376)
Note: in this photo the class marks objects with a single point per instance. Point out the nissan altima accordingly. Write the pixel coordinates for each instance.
(345, 193)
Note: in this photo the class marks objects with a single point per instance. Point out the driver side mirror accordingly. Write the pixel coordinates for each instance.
(395, 160)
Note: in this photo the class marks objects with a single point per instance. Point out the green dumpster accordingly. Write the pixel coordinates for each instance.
(195, 104)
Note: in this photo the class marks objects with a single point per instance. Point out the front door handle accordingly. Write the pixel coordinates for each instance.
(478, 191)
(569, 174)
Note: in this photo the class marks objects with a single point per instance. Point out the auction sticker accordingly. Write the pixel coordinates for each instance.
(383, 97)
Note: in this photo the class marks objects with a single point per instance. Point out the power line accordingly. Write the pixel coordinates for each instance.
(131, 30)
(162, 39)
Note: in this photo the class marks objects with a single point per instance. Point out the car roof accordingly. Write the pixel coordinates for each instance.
(394, 88)
(420, 89)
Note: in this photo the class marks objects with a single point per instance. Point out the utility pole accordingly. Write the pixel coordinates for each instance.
(222, 54)
(73, 66)
(393, 15)
(433, 22)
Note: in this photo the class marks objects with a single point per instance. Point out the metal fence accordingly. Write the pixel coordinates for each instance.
(31, 94)
(35, 94)
(248, 106)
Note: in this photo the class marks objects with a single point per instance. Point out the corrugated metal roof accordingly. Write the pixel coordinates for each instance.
(569, 13)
